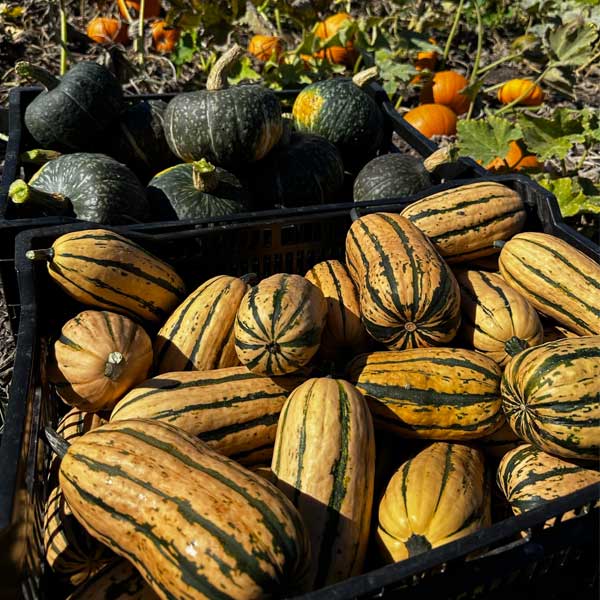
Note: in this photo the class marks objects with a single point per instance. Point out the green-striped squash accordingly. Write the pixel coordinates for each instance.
(439, 496)
(101, 268)
(464, 222)
(199, 334)
(344, 331)
(529, 478)
(279, 324)
(69, 549)
(206, 527)
(551, 396)
(117, 581)
(233, 410)
(431, 393)
(496, 320)
(324, 460)
(557, 279)
(408, 295)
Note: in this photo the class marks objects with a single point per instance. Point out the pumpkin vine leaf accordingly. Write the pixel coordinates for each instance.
(572, 43)
(575, 195)
(486, 139)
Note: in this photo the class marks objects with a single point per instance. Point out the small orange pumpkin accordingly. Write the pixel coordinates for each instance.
(105, 30)
(132, 7)
(264, 46)
(164, 37)
(335, 54)
(432, 119)
(444, 88)
(513, 89)
(426, 59)
(516, 160)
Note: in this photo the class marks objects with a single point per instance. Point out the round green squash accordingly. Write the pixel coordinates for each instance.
(308, 169)
(94, 187)
(391, 176)
(139, 140)
(73, 113)
(229, 127)
(339, 110)
(197, 190)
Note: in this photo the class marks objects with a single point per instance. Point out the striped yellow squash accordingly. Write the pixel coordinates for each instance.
(117, 581)
(551, 396)
(464, 222)
(440, 495)
(324, 460)
(69, 549)
(279, 324)
(101, 268)
(199, 334)
(344, 331)
(431, 393)
(408, 295)
(206, 527)
(496, 320)
(233, 410)
(529, 478)
(557, 279)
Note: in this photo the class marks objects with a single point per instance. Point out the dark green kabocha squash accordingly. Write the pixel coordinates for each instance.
(196, 190)
(303, 169)
(341, 111)
(73, 113)
(93, 187)
(230, 127)
(391, 176)
(139, 140)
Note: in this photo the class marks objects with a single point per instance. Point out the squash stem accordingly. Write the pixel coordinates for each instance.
(38, 156)
(217, 78)
(363, 77)
(204, 176)
(58, 444)
(39, 74)
(441, 156)
(514, 345)
(114, 365)
(46, 254)
(20, 192)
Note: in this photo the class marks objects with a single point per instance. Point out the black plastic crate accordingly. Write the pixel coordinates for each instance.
(19, 141)
(483, 565)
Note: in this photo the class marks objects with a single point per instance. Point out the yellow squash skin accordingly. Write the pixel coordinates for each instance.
(194, 523)
(102, 268)
(497, 320)
(344, 330)
(431, 393)
(279, 324)
(557, 279)
(464, 222)
(408, 296)
(529, 478)
(100, 356)
(439, 496)
(233, 410)
(551, 397)
(199, 334)
(324, 461)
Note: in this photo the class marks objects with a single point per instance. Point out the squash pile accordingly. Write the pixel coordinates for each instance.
(256, 438)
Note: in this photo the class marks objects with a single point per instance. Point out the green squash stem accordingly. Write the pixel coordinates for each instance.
(20, 192)
(204, 176)
(363, 77)
(26, 69)
(217, 78)
(46, 254)
(58, 444)
(38, 156)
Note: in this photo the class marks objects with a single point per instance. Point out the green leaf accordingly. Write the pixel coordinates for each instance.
(185, 49)
(572, 43)
(486, 139)
(548, 138)
(243, 70)
(575, 195)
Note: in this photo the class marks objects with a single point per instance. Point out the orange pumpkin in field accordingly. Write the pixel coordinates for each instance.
(515, 160)
(164, 37)
(444, 88)
(426, 59)
(132, 7)
(263, 47)
(105, 30)
(513, 89)
(339, 55)
(432, 119)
